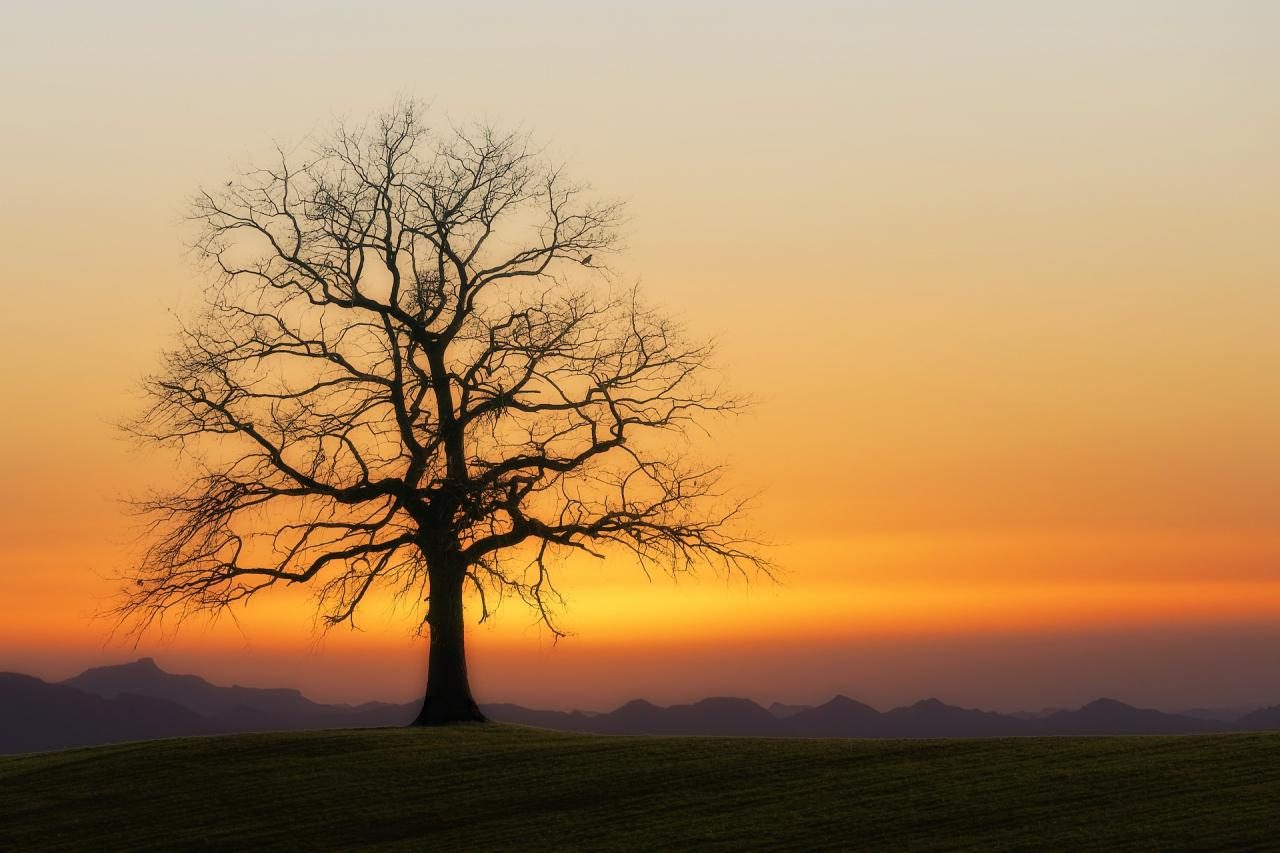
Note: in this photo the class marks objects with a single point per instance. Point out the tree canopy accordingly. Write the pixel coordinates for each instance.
(412, 371)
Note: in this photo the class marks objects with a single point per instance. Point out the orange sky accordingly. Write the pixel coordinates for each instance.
(1001, 277)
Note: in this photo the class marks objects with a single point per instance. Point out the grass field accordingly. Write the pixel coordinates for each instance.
(507, 788)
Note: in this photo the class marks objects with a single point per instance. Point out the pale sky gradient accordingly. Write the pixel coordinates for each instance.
(1003, 277)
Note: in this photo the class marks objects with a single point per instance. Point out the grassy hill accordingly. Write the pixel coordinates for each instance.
(503, 787)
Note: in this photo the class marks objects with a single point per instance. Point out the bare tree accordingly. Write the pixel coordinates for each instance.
(410, 375)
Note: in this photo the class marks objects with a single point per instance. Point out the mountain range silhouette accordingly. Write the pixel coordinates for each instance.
(139, 701)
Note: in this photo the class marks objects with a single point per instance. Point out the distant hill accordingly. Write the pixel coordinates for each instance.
(932, 718)
(286, 705)
(1109, 717)
(716, 716)
(36, 716)
(143, 677)
(840, 717)
(235, 708)
(1262, 720)
(139, 700)
(1222, 715)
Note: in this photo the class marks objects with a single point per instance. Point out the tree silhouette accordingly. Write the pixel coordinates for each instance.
(411, 373)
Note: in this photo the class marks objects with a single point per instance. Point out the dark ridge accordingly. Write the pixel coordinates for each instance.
(1264, 719)
(1111, 717)
(37, 716)
(839, 717)
(139, 700)
(145, 678)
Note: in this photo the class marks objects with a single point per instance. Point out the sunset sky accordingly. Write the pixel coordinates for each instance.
(1003, 279)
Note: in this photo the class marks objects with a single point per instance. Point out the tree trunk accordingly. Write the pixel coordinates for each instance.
(448, 698)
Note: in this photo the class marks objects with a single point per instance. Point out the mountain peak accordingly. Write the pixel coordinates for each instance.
(782, 710)
(144, 670)
(637, 705)
(145, 677)
(1105, 704)
(841, 702)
